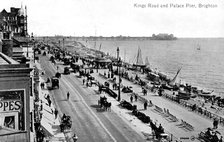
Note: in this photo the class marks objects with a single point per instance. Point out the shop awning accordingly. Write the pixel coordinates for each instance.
(45, 123)
(12, 135)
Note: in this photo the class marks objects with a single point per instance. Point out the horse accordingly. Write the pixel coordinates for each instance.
(108, 106)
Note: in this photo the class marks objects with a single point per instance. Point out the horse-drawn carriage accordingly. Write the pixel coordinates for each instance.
(161, 136)
(141, 116)
(66, 70)
(66, 61)
(52, 83)
(66, 123)
(126, 105)
(52, 59)
(58, 75)
(103, 103)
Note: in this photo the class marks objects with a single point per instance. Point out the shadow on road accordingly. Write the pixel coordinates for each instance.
(95, 106)
(63, 100)
(96, 92)
(78, 76)
(98, 108)
(75, 100)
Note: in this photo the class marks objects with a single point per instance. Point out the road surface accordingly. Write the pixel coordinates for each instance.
(90, 124)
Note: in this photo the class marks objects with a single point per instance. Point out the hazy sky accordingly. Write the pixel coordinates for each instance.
(121, 17)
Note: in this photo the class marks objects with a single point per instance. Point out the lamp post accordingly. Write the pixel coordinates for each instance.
(117, 57)
(27, 52)
(27, 45)
(32, 38)
(63, 44)
(118, 71)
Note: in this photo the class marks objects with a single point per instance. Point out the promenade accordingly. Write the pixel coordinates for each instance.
(178, 120)
(46, 113)
(183, 125)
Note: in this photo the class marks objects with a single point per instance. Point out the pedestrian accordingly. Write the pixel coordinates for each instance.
(214, 124)
(144, 91)
(100, 88)
(47, 96)
(41, 114)
(120, 80)
(131, 98)
(42, 85)
(108, 75)
(220, 140)
(83, 81)
(68, 94)
(49, 102)
(136, 97)
(75, 138)
(145, 105)
(55, 113)
(41, 106)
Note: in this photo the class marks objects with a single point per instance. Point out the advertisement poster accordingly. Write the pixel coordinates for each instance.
(12, 108)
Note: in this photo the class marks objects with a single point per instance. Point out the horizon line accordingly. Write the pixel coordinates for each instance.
(91, 36)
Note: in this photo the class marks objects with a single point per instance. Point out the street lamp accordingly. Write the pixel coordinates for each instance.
(63, 44)
(32, 38)
(27, 52)
(27, 45)
(118, 71)
(117, 57)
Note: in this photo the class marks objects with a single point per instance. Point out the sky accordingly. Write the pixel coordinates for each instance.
(121, 17)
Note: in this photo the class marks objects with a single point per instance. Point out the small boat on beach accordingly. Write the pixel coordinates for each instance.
(170, 84)
(138, 62)
(205, 94)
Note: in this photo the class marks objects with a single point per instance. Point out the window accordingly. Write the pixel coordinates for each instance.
(10, 122)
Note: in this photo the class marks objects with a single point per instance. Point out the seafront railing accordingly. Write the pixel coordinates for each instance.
(197, 109)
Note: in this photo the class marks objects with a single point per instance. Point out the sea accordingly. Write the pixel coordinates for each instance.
(201, 59)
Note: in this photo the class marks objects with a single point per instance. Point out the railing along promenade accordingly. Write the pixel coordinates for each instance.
(197, 109)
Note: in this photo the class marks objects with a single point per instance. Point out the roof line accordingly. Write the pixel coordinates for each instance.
(8, 59)
(2, 56)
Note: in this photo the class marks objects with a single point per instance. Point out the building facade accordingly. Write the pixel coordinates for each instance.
(13, 23)
(13, 33)
(16, 117)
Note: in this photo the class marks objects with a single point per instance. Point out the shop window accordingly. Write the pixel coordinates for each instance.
(10, 122)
